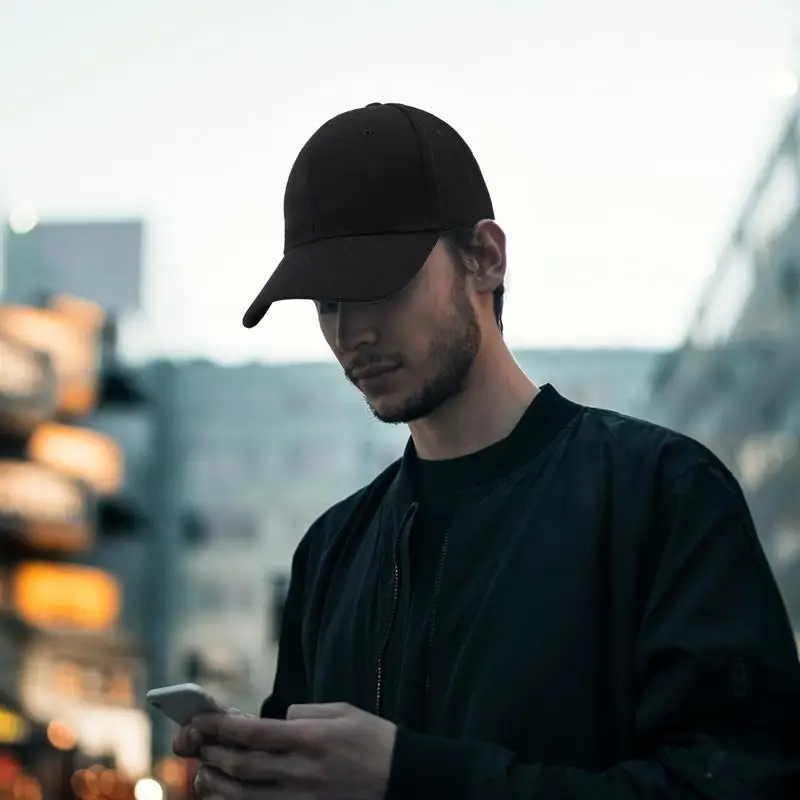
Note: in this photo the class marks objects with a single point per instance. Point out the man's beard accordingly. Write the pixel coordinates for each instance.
(452, 354)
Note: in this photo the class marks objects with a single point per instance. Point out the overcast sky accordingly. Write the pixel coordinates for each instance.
(618, 139)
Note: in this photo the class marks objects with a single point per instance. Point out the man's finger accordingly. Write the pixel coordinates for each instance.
(252, 733)
(212, 784)
(256, 766)
(318, 711)
(187, 742)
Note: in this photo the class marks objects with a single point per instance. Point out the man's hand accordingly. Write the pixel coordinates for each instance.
(189, 740)
(333, 751)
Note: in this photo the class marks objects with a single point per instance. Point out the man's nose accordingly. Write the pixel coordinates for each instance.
(354, 326)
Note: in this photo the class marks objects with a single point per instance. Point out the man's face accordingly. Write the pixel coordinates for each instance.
(411, 353)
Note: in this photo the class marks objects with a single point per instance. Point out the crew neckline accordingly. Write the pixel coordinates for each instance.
(541, 422)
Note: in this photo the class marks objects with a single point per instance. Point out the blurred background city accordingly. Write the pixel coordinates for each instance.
(159, 464)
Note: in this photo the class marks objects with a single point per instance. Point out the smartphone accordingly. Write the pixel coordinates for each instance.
(183, 702)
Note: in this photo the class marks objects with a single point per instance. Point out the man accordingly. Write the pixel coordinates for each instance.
(539, 600)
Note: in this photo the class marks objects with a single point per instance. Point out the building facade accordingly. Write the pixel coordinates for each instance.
(74, 667)
(734, 384)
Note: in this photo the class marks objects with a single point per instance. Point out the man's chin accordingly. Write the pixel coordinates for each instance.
(395, 412)
(391, 413)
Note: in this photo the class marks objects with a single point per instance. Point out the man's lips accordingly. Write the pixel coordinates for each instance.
(371, 372)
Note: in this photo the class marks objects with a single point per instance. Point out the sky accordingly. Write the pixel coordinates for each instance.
(618, 140)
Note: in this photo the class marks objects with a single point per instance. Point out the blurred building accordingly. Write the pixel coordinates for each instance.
(72, 661)
(734, 384)
(249, 456)
(96, 260)
(615, 378)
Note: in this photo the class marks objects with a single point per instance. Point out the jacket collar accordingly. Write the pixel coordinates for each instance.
(400, 493)
(551, 414)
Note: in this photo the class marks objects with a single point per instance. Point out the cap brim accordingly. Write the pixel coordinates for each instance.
(348, 269)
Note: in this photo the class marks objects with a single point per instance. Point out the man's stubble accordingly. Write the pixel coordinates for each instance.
(450, 358)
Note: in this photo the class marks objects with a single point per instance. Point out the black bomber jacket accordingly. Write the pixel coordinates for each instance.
(605, 626)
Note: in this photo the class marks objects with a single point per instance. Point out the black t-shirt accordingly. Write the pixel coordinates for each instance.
(438, 488)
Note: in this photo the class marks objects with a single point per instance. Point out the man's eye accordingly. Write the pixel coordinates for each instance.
(326, 307)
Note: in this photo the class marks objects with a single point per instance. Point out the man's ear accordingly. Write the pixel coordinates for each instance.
(488, 266)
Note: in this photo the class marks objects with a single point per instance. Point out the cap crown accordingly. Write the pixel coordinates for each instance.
(385, 168)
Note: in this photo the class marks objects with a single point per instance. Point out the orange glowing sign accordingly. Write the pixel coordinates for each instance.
(13, 728)
(83, 454)
(52, 595)
(72, 348)
(21, 375)
(27, 386)
(61, 735)
(31, 491)
(85, 313)
(50, 509)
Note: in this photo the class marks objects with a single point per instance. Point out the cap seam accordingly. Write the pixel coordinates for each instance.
(423, 165)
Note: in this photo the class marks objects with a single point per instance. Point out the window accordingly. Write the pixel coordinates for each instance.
(120, 689)
(205, 666)
(85, 681)
(300, 457)
(199, 473)
(238, 528)
(68, 680)
(202, 528)
(204, 596)
(240, 596)
(215, 595)
(762, 456)
(195, 531)
(216, 469)
(193, 667)
(790, 282)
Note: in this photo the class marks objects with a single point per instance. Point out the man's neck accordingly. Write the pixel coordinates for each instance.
(493, 401)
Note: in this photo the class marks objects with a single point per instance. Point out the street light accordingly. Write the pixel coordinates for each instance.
(148, 789)
(22, 220)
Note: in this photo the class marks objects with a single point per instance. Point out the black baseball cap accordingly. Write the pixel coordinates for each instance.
(366, 201)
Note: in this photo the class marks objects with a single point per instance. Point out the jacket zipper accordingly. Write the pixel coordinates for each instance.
(409, 515)
(434, 608)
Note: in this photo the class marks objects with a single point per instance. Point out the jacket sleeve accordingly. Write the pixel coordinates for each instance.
(290, 675)
(718, 714)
